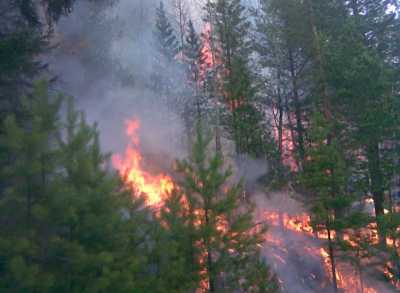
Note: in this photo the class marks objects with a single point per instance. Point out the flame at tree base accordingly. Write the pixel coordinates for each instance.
(298, 255)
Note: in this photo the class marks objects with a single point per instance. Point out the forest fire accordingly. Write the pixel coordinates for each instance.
(287, 144)
(130, 168)
(207, 54)
(156, 187)
(297, 227)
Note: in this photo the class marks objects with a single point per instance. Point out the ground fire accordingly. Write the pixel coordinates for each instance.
(311, 252)
(299, 252)
(156, 187)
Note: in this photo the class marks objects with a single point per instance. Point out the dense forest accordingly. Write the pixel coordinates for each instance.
(229, 107)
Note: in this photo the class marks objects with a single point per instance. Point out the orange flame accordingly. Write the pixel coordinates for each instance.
(154, 188)
(207, 54)
(348, 278)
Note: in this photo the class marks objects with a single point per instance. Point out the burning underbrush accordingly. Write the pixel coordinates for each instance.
(299, 256)
(295, 250)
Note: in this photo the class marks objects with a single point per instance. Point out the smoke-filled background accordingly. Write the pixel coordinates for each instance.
(104, 57)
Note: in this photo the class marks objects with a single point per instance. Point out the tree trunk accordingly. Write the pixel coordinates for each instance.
(182, 20)
(211, 281)
(214, 94)
(320, 78)
(296, 98)
(376, 181)
(360, 272)
(332, 258)
(280, 118)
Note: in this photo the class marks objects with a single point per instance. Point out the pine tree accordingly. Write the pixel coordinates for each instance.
(176, 246)
(282, 71)
(67, 223)
(192, 52)
(165, 36)
(194, 102)
(227, 239)
(28, 163)
(167, 69)
(365, 51)
(230, 28)
(20, 42)
(325, 175)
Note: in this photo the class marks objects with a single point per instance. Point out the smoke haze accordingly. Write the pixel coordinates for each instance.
(120, 89)
(117, 86)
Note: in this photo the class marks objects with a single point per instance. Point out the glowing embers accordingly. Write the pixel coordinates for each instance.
(295, 226)
(288, 144)
(297, 223)
(389, 272)
(154, 187)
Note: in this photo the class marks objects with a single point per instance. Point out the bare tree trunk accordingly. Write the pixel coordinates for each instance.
(211, 281)
(332, 259)
(182, 18)
(218, 146)
(377, 188)
(280, 116)
(298, 111)
(359, 267)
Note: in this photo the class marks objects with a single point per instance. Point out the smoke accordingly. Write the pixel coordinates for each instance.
(104, 58)
(295, 256)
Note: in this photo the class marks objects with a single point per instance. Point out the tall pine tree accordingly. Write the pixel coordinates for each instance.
(227, 239)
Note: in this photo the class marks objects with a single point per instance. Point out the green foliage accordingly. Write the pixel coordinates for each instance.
(165, 36)
(227, 240)
(194, 104)
(177, 254)
(230, 33)
(248, 132)
(67, 224)
(17, 51)
(325, 174)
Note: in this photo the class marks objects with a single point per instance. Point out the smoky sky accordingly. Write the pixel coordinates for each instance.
(119, 90)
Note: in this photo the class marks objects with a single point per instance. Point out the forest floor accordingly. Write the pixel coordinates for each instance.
(297, 256)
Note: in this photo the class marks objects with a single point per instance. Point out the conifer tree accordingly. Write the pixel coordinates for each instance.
(325, 176)
(364, 74)
(176, 251)
(282, 71)
(227, 237)
(230, 31)
(67, 223)
(167, 47)
(194, 102)
(165, 36)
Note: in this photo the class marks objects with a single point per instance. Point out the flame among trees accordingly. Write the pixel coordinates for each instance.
(334, 72)
(217, 243)
(323, 60)
(225, 237)
(301, 76)
(131, 169)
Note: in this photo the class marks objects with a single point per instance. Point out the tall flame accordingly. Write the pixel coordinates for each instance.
(154, 187)
(207, 54)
